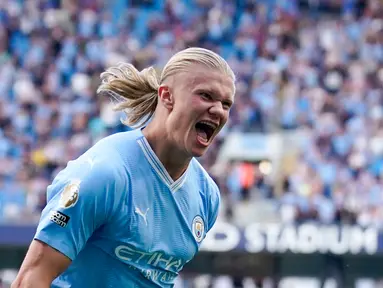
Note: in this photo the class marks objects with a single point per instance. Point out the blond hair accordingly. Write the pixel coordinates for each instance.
(137, 91)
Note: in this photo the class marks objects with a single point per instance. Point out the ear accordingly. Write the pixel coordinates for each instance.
(166, 96)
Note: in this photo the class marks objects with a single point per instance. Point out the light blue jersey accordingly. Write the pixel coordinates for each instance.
(121, 219)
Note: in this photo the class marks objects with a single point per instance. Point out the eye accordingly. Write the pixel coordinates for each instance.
(226, 105)
(205, 96)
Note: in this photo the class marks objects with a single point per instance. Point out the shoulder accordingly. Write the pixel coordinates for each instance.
(207, 184)
(110, 153)
(118, 141)
(105, 163)
(93, 174)
(203, 176)
(99, 169)
(120, 147)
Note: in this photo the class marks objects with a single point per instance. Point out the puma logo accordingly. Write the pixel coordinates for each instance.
(139, 212)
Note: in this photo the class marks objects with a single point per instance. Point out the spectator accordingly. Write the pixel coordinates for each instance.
(320, 75)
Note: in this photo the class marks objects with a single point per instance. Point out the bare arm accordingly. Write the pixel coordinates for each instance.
(41, 266)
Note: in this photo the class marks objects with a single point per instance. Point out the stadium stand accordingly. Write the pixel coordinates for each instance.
(308, 106)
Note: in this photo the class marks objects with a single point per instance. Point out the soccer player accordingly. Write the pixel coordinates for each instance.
(134, 208)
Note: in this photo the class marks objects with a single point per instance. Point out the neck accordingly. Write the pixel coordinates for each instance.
(174, 160)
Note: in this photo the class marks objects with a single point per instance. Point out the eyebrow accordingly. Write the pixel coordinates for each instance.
(216, 92)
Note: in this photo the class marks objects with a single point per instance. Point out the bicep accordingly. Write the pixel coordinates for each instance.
(42, 265)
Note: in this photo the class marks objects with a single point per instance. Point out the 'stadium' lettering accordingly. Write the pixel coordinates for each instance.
(306, 238)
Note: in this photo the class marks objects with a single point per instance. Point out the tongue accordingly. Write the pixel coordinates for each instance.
(201, 133)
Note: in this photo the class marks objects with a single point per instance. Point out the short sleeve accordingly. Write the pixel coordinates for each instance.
(81, 198)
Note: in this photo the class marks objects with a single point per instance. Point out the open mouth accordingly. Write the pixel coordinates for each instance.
(205, 130)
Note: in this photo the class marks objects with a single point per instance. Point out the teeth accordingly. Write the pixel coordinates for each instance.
(212, 125)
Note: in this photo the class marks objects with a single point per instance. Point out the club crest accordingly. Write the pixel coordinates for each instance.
(198, 228)
(70, 194)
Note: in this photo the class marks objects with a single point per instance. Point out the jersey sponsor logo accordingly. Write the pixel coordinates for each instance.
(59, 218)
(198, 228)
(166, 267)
(70, 194)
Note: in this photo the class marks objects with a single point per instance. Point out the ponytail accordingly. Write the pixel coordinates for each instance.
(135, 91)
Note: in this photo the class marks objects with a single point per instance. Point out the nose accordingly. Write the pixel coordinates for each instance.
(217, 110)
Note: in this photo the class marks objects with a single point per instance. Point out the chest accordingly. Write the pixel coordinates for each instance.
(158, 220)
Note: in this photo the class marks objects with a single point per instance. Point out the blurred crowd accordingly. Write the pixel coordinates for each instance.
(297, 70)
